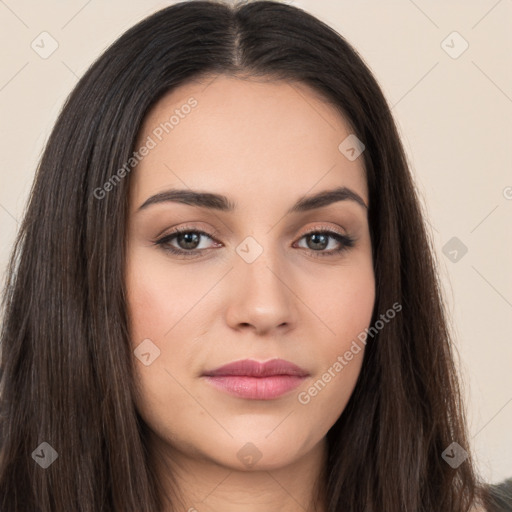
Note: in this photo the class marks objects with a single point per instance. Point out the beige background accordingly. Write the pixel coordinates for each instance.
(454, 114)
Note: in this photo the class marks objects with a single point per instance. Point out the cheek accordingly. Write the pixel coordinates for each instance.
(161, 296)
(156, 315)
(345, 309)
(343, 304)
(150, 306)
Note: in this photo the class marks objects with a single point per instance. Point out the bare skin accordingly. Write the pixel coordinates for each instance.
(264, 146)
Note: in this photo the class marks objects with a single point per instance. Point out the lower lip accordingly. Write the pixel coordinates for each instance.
(256, 388)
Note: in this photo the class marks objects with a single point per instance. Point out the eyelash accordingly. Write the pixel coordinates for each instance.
(346, 242)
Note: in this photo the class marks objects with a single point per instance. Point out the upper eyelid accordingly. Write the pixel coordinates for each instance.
(215, 233)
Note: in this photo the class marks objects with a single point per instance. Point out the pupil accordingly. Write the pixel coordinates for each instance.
(323, 242)
(189, 238)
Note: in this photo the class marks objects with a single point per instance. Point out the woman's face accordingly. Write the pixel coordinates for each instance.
(254, 278)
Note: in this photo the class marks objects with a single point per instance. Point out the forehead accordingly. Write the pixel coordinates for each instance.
(246, 139)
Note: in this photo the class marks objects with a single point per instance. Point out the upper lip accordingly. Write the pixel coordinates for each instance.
(252, 368)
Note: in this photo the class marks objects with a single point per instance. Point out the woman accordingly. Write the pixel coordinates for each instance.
(223, 295)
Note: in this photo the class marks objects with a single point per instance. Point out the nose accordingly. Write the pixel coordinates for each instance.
(261, 296)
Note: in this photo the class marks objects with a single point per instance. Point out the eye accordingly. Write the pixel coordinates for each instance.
(186, 242)
(319, 239)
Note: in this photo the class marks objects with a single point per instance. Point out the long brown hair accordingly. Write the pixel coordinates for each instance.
(66, 359)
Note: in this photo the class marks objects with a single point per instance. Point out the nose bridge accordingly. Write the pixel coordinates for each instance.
(261, 296)
(259, 263)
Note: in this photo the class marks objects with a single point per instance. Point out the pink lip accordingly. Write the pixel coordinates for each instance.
(257, 381)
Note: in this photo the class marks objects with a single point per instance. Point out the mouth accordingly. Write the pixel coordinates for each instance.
(253, 380)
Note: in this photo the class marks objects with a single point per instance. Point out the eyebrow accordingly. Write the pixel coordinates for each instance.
(222, 203)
